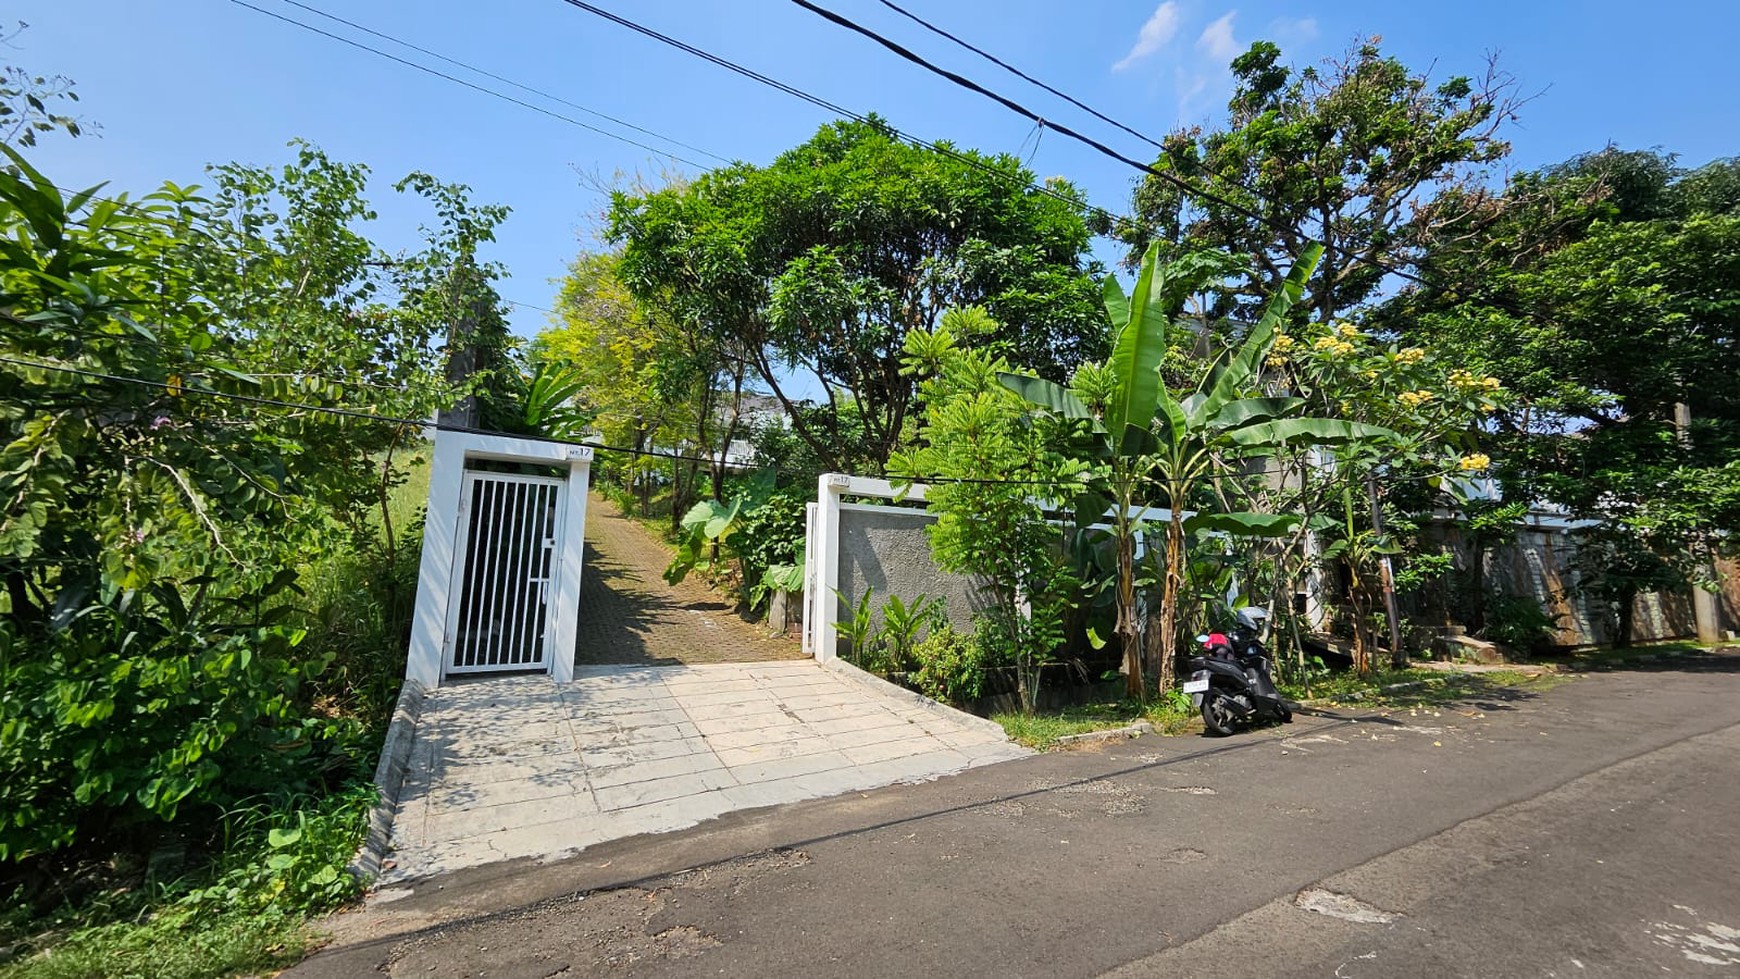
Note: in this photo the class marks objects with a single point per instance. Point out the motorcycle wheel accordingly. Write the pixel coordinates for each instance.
(1286, 716)
(1216, 715)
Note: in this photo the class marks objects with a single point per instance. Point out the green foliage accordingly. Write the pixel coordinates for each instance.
(820, 265)
(757, 537)
(858, 628)
(950, 666)
(26, 100)
(1336, 153)
(1518, 622)
(989, 471)
(205, 599)
(174, 946)
(1607, 292)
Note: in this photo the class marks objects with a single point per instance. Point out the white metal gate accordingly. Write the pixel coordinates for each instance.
(510, 528)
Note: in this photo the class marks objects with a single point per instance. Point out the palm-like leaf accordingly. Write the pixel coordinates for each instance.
(1307, 431)
(1137, 351)
(1243, 524)
(1046, 394)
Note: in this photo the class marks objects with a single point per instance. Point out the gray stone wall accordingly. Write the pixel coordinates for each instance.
(888, 553)
(1542, 563)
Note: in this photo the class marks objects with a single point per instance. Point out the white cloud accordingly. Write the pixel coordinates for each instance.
(1217, 38)
(1155, 33)
(1294, 30)
(1190, 85)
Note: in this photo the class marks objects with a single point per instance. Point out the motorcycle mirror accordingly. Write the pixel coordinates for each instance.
(1202, 640)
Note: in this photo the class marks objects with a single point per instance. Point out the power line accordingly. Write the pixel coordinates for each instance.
(1016, 107)
(469, 84)
(988, 56)
(506, 81)
(833, 107)
(183, 389)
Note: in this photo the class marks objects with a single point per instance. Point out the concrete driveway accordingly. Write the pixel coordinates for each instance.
(525, 767)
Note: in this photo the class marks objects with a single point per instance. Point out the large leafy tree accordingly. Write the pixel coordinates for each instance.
(813, 269)
(1605, 291)
(1336, 154)
(649, 381)
(168, 471)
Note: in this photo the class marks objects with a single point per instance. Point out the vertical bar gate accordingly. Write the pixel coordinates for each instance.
(510, 526)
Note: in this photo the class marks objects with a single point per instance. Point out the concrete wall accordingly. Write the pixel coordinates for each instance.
(1542, 563)
(886, 551)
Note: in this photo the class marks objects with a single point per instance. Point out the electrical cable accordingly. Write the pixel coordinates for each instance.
(468, 84)
(504, 80)
(988, 56)
(1183, 186)
(183, 389)
(1111, 218)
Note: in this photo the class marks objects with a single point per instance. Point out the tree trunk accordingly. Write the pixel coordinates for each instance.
(1135, 682)
(1169, 594)
(1386, 579)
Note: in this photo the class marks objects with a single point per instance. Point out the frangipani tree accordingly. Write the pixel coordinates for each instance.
(1148, 437)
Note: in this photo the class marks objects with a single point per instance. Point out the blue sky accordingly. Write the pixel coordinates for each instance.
(177, 85)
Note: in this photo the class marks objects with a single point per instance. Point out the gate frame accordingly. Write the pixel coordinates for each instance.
(425, 661)
(469, 481)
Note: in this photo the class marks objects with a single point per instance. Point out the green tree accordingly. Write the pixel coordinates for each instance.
(1604, 292)
(168, 474)
(991, 478)
(814, 269)
(649, 379)
(1337, 154)
(1158, 448)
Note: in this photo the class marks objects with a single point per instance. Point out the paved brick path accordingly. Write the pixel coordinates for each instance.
(628, 614)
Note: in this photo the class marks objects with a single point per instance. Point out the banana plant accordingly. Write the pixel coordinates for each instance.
(1148, 437)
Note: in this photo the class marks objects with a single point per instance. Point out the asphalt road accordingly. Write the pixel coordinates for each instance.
(1585, 830)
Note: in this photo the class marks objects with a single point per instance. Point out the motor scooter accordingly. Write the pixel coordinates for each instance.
(1231, 682)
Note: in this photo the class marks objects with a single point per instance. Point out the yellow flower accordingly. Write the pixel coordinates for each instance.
(1489, 383)
(1275, 360)
(1412, 355)
(1284, 343)
(1475, 462)
(1324, 343)
(1348, 331)
(1368, 375)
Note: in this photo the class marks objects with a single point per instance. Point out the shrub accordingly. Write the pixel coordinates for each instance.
(951, 666)
(1519, 622)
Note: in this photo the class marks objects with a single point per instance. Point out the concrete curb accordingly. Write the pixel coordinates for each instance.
(887, 689)
(389, 780)
(1135, 730)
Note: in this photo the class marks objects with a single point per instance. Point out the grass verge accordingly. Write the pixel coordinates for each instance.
(1171, 714)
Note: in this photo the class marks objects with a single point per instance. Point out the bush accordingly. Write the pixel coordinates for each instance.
(114, 727)
(1519, 622)
(951, 666)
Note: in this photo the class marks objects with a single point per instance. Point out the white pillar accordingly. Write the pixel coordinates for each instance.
(565, 609)
(423, 663)
(824, 603)
(812, 553)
